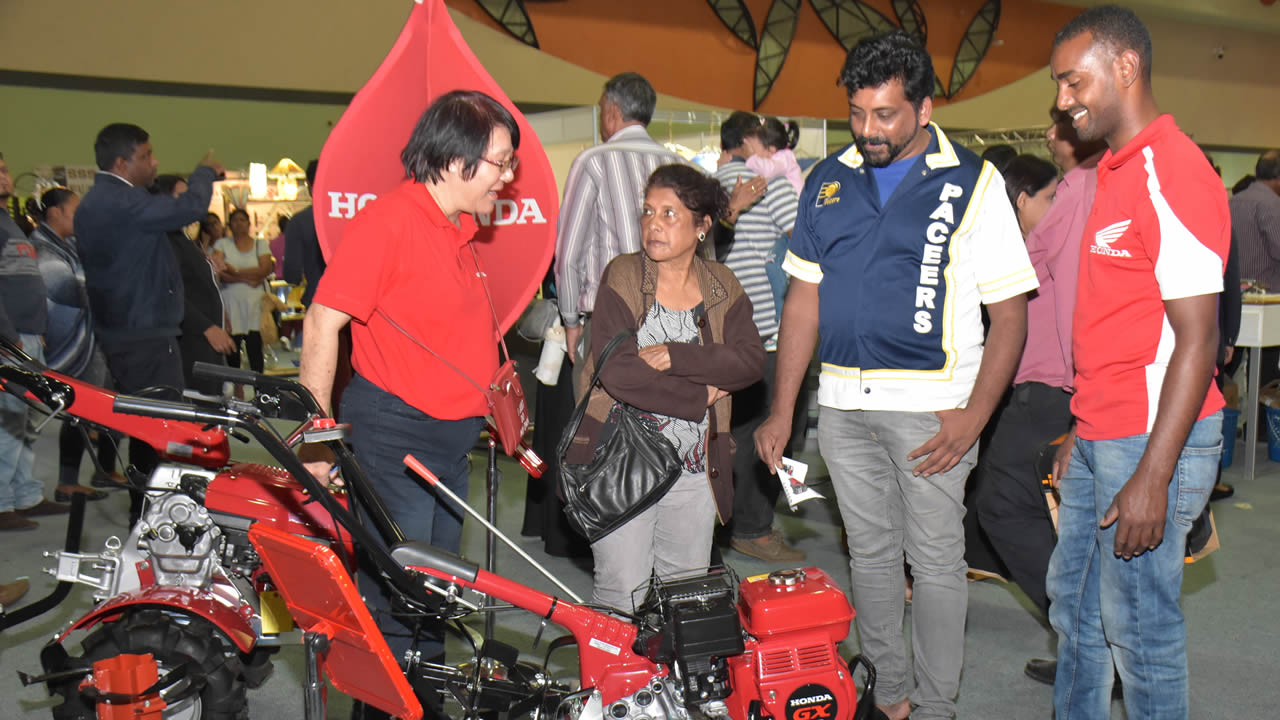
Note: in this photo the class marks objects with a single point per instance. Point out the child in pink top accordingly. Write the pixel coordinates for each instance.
(771, 151)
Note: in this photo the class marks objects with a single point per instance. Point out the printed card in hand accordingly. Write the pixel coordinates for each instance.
(791, 474)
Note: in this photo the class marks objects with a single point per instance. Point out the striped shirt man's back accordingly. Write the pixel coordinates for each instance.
(600, 216)
(1255, 228)
(754, 236)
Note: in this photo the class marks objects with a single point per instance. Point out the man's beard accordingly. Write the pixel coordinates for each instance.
(893, 151)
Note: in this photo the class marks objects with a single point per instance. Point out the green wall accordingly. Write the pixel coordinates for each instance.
(57, 127)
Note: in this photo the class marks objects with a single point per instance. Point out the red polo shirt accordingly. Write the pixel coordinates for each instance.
(402, 258)
(1159, 230)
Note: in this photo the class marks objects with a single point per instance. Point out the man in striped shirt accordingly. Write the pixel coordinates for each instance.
(600, 216)
(755, 236)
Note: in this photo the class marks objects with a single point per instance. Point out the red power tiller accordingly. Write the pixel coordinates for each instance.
(698, 646)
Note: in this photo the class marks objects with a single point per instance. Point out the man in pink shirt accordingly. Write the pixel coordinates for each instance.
(1010, 500)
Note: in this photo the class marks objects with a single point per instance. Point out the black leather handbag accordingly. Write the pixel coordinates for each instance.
(633, 468)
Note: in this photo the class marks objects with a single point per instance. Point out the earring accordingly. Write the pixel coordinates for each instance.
(702, 237)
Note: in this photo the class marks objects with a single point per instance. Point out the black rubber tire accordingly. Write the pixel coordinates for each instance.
(172, 641)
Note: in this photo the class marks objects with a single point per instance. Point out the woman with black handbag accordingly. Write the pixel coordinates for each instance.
(680, 338)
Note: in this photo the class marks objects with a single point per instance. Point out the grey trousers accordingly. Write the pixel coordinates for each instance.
(671, 538)
(887, 512)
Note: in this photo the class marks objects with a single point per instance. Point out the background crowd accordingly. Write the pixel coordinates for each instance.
(974, 319)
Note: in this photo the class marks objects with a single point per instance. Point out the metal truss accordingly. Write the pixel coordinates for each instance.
(911, 18)
(851, 20)
(973, 47)
(512, 16)
(735, 16)
(775, 41)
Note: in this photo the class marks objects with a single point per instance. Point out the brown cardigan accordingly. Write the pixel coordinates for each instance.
(731, 357)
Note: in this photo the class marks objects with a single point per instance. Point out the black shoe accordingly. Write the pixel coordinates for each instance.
(1221, 491)
(1041, 670)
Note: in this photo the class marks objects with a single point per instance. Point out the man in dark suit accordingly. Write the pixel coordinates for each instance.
(135, 287)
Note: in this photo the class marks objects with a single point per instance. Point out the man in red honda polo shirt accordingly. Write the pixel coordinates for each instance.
(1148, 419)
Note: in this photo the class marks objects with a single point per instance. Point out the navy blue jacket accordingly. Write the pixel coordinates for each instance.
(135, 287)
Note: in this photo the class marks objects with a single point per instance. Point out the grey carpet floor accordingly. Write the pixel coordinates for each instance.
(1228, 598)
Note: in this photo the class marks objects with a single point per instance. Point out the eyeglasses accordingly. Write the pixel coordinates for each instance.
(668, 216)
(511, 164)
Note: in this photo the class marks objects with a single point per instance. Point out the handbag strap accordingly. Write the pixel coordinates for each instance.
(437, 355)
(575, 421)
(497, 327)
(492, 311)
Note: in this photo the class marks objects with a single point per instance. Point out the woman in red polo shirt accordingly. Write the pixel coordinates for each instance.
(406, 279)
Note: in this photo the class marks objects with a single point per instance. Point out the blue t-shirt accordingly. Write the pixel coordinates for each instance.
(888, 178)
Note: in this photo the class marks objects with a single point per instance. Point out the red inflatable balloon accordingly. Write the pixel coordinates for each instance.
(362, 157)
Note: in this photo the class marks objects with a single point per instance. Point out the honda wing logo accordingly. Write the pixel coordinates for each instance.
(1107, 235)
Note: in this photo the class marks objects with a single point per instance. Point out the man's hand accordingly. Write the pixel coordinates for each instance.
(771, 440)
(211, 162)
(571, 337)
(319, 460)
(219, 340)
(1231, 352)
(1062, 459)
(960, 430)
(657, 357)
(1138, 512)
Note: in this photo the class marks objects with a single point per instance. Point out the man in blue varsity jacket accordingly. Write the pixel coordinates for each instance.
(900, 239)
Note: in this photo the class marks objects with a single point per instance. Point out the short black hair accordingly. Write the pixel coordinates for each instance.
(776, 134)
(164, 184)
(633, 95)
(1119, 28)
(53, 197)
(894, 55)
(1028, 174)
(737, 126)
(456, 126)
(235, 212)
(1268, 167)
(1000, 156)
(117, 140)
(311, 172)
(699, 192)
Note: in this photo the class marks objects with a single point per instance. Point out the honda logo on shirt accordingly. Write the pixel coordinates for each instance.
(1107, 235)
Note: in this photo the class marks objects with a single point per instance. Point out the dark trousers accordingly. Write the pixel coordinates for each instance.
(71, 446)
(383, 430)
(1011, 504)
(137, 365)
(196, 348)
(252, 342)
(755, 490)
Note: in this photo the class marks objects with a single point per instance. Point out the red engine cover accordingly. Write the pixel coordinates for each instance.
(791, 600)
(271, 496)
(792, 667)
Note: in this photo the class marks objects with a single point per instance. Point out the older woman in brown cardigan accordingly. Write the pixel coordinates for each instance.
(694, 344)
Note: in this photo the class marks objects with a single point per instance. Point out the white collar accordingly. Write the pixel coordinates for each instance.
(108, 172)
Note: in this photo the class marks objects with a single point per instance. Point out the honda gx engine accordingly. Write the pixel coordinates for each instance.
(772, 653)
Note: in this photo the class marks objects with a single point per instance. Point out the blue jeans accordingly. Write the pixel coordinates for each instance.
(19, 488)
(383, 430)
(1109, 610)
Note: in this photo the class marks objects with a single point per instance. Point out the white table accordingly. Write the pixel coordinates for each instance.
(1259, 328)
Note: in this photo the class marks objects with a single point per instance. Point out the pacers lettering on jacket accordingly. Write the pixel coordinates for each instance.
(936, 236)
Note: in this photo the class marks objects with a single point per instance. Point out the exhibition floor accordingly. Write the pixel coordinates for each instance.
(1228, 598)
